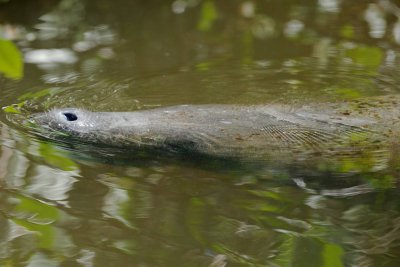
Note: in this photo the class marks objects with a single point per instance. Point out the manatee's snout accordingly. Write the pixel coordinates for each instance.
(68, 120)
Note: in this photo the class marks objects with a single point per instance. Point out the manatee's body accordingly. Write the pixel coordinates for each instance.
(273, 132)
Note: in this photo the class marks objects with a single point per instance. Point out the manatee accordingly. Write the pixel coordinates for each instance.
(274, 132)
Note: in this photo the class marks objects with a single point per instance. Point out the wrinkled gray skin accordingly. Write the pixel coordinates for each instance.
(274, 131)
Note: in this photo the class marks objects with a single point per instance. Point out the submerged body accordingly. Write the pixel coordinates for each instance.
(273, 132)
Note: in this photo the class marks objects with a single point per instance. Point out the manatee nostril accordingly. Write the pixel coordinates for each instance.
(70, 116)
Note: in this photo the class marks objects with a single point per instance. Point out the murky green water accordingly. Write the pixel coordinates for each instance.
(61, 206)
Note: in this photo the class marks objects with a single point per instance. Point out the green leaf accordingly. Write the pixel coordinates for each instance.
(332, 255)
(207, 17)
(203, 66)
(284, 258)
(18, 107)
(45, 232)
(10, 60)
(55, 157)
(40, 217)
(366, 55)
(347, 31)
(14, 108)
(37, 209)
(41, 93)
(348, 93)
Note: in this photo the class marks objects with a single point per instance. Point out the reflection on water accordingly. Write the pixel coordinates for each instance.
(62, 207)
(171, 215)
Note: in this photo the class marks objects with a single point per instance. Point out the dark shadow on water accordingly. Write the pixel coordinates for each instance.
(307, 175)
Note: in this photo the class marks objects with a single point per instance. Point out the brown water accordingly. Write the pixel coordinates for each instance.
(64, 207)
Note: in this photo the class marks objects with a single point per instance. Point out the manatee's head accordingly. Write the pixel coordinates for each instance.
(65, 122)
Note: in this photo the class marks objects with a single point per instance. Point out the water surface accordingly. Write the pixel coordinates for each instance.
(61, 206)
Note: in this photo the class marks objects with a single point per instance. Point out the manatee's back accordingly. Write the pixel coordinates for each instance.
(257, 131)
